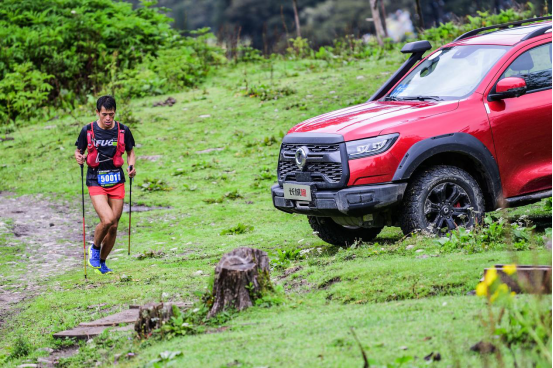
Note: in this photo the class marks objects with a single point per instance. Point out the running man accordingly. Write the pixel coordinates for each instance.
(106, 140)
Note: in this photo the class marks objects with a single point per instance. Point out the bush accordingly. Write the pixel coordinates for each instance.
(74, 40)
(238, 229)
(447, 32)
(184, 63)
(154, 185)
(523, 325)
(58, 52)
(22, 91)
(21, 347)
(493, 235)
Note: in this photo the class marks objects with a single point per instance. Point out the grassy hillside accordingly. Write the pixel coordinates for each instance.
(213, 157)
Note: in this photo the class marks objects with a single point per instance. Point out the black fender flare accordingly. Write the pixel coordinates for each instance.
(462, 143)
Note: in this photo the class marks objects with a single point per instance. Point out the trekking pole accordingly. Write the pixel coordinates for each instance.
(130, 212)
(84, 234)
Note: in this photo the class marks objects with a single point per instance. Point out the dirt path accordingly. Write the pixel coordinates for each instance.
(50, 233)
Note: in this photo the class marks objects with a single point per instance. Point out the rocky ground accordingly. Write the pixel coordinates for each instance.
(50, 232)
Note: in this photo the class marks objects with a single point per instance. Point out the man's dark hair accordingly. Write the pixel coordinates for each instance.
(106, 101)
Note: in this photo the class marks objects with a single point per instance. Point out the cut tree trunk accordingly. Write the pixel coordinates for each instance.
(296, 18)
(240, 277)
(151, 317)
(380, 34)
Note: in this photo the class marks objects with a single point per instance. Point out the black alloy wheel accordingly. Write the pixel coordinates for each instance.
(441, 199)
(447, 206)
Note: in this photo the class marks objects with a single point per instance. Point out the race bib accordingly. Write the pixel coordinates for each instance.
(108, 178)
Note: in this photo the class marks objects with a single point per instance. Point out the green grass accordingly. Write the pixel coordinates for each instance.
(392, 298)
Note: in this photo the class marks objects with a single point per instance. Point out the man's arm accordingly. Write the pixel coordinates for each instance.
(131, 160)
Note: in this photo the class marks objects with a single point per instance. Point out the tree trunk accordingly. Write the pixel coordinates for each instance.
(383, 15)
(377, 22)
(296, 17)
(419, 13)
(240, 277)
(151, 317)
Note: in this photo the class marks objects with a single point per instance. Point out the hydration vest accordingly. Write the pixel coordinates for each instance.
(93, 159)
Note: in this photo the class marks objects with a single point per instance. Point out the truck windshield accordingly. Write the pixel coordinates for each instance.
(449, 73)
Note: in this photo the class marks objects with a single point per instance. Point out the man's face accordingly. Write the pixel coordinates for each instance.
(105, 117)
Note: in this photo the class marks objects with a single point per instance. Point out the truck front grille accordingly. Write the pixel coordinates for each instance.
(330, 172)
(317, 148)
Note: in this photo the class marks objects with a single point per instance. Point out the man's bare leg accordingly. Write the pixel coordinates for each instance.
(106, 215)
(108, 242)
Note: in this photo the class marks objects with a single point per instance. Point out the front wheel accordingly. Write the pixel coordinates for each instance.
(338, 235)
(440, 199)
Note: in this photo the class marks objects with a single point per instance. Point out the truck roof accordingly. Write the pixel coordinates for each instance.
(504, 37)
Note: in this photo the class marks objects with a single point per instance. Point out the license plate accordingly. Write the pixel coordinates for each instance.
(298, 192)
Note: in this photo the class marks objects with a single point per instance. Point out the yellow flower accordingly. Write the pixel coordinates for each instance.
(481, 289)
(490, 276)
(510, 269)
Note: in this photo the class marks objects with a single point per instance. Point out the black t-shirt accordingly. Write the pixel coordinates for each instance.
(106, 144)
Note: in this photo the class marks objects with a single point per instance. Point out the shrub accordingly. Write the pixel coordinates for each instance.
(494, 234)
(74, 40)
(22, 92)
(57, 52)
(154, 185)
(522, 325)
(21, 347)
(265, 93)
(282, 258)
(183, 63)
(238, 229)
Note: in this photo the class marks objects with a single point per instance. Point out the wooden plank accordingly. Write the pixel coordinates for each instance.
(527, 279)
(126, 316)
(86, 333)
(177, 304)
(80, 333)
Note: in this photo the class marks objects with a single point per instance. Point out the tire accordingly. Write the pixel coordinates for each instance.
(440, 199)
(338, 235)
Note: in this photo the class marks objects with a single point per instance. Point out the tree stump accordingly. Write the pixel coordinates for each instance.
(241, 276)
(151, 317)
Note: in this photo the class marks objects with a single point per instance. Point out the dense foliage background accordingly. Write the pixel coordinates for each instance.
(269, 23)
(56, 55)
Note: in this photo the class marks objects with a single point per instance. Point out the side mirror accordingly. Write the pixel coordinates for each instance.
(508, 88)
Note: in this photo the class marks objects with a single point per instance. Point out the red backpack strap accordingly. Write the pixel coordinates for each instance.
(118, 159)
(90, 136)
(120, 139)
(92, 157)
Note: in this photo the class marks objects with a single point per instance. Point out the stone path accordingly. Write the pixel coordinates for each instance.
(51, 234)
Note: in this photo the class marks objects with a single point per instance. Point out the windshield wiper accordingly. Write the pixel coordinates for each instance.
(391, 98)
(421, 98)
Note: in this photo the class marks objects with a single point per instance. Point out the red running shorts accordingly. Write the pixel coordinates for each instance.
(115, 192)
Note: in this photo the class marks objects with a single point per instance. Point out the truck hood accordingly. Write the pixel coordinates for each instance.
(371, 118)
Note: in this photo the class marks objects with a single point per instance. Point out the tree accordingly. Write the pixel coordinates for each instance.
(380, 33)
(297, 18)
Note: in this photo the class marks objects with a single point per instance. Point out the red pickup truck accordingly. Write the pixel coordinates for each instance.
(463, 131)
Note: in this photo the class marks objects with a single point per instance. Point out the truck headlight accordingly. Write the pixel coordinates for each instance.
(371, 146)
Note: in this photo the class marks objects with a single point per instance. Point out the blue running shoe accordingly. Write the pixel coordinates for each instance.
(103, 269)
(94, 257)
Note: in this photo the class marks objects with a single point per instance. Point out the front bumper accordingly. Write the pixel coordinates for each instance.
(353, 201)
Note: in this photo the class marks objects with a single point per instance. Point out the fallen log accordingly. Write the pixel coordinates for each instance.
(241, 277)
